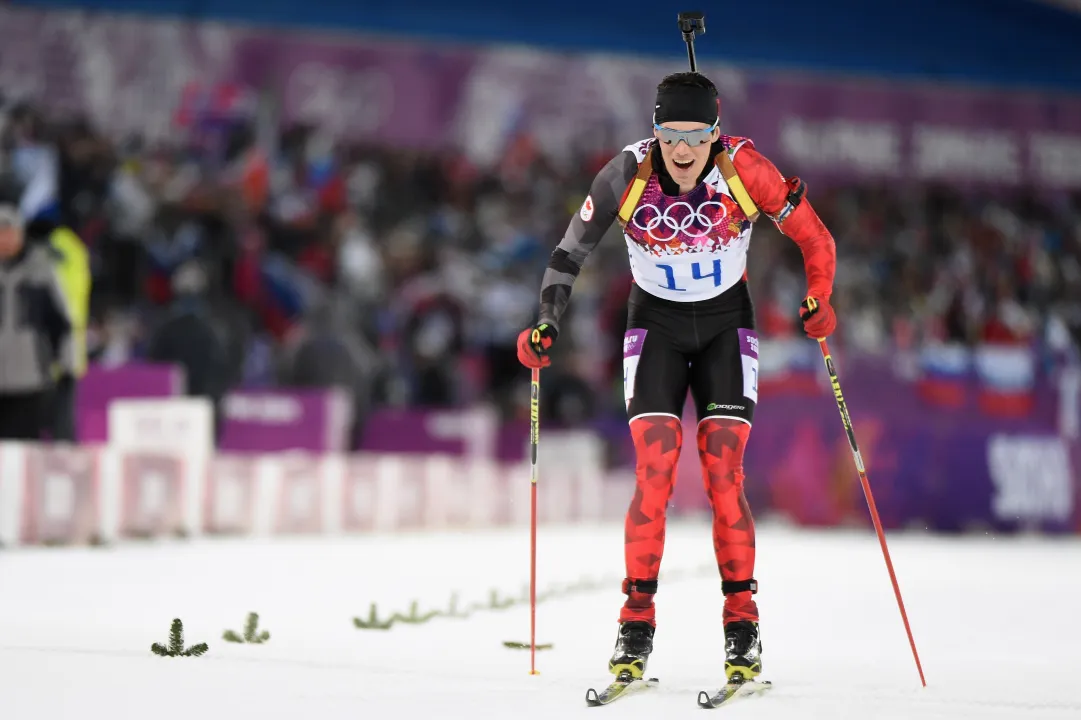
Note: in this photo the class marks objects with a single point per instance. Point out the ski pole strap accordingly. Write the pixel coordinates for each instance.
(646, 587)
(731, 587)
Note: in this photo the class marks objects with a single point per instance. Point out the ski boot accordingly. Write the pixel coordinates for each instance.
(743, 650)
(742, 665)
(633, 646)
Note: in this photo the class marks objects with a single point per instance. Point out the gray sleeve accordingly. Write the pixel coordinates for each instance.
(583, 235)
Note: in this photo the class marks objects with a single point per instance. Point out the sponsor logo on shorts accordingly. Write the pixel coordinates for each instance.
(714, 406)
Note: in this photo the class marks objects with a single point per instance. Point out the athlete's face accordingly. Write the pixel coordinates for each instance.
(685, 163)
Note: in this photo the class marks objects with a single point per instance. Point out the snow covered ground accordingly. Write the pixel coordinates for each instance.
(996, 622)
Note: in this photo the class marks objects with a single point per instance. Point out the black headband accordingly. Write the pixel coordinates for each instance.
(686, 104)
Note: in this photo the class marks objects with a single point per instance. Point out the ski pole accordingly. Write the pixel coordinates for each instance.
(534, 441)
(812, 304)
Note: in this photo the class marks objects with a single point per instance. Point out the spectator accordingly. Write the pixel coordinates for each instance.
(35, 162)
(326, 353)
(187, 338)
(73, 271)
(35, 328)
(423, 250)
(433, 338)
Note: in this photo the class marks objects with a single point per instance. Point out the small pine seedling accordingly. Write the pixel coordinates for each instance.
(454, 612)
(415, 617)
(495, 603)
(251, 634)
(176, 644)
(373, 622)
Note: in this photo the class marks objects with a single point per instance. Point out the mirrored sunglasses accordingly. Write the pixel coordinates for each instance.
(693, 138)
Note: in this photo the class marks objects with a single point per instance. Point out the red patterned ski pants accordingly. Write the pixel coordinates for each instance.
(658, 441)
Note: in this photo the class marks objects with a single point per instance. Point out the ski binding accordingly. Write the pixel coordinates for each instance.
(624, 684)
(735, 689)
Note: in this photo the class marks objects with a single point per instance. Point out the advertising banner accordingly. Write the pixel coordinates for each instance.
(131, 74)
(252, 421)
(61, 498)
(843, 128)
(271, 420)
(951, 466)
(176, 424)
(953, 439)
(101, 385)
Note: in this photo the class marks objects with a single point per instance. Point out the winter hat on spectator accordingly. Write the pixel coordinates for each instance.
(10, 196)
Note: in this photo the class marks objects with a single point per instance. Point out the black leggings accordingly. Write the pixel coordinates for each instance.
(21, 416)
(708, 347)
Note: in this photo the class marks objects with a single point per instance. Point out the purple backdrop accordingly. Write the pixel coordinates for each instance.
(128, 74)
(252, 421)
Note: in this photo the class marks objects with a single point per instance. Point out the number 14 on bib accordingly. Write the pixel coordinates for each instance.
(697, 274)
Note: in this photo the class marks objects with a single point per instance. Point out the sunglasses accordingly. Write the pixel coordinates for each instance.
(693, 138)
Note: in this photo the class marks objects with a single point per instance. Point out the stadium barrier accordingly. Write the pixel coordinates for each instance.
(75, 495)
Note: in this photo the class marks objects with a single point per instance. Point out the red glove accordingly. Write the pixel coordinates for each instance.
(819, 320)
(533, 346)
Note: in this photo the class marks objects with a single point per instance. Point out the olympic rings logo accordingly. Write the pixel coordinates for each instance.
(690, 224)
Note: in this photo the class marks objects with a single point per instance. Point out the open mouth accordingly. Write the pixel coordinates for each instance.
(684, 165)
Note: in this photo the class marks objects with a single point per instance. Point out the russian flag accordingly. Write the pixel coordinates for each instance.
(789, 366)
(945, 371)
(201, 103)
(1007, 379)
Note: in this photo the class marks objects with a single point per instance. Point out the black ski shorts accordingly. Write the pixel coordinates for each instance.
(708, 347)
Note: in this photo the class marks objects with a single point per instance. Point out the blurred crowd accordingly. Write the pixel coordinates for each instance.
(405, 275)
